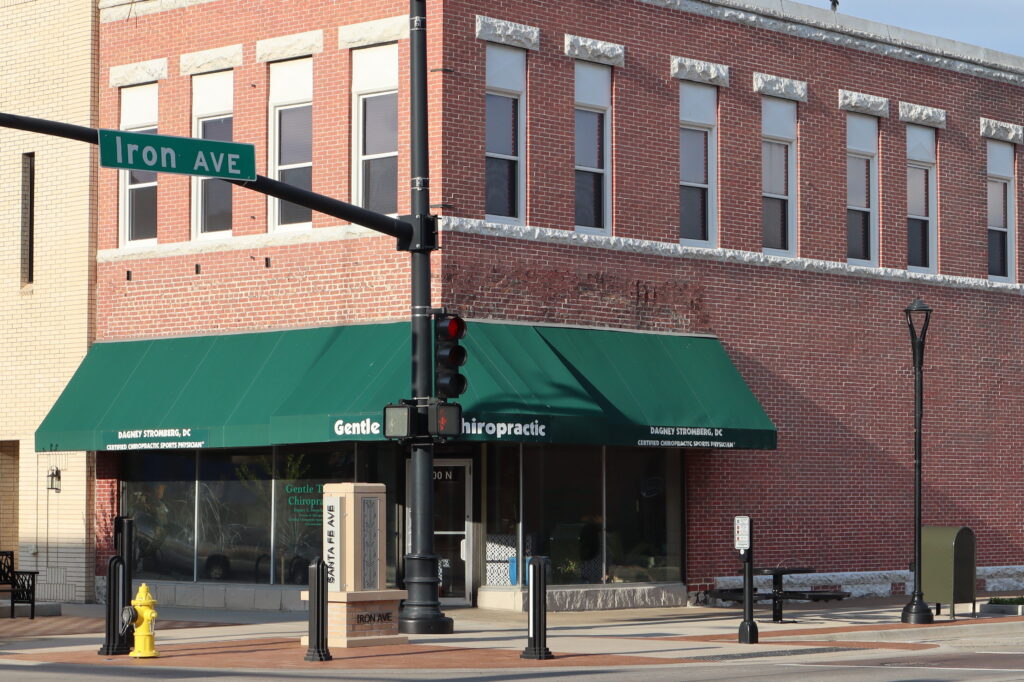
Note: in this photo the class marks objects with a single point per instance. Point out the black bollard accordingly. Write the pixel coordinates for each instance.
(748, 628)
(317, 650)
(537, 643)
(115, 642)
(124, 543)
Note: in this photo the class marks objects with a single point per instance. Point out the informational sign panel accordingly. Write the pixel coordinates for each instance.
(184, 155)
(741, 533)
(332, 541)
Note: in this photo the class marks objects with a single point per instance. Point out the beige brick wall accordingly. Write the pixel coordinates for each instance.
(47, 57)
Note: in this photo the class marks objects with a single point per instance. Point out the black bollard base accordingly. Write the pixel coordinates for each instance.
(748, 632)
(314, 654)
(536, 653)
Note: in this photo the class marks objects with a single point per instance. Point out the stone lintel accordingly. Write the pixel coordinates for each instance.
(777, 86)
(1000, 130)
(374, 32)
(688, 69)
(217, 59)
(922, 115)
(592, 50)
(138, 73)
(288, 47)
(507, 33)
(860, 103)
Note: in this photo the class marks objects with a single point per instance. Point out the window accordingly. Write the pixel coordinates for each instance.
(291, 137)
(375, 85)
(778, 176)
(28, 217)
(698, 113)
(212, 120)
(593, 101)
(137, 188)
(506, 81)
(921, 202)
(861, 189)
(1001, 218)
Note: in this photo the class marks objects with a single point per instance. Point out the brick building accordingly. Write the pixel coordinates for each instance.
(684, 232)
(47, 257)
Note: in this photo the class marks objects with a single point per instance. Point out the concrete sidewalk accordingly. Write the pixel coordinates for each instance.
(483, 640)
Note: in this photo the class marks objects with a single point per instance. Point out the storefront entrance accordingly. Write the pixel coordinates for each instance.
(453, 505)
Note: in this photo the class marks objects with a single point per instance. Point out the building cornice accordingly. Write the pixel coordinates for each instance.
(754, 258)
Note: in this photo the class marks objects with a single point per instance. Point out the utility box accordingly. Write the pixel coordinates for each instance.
(948, 568)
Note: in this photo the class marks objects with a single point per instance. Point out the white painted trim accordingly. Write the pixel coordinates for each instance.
(580, 239)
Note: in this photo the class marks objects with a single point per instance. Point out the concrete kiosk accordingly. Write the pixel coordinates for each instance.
(360, 610)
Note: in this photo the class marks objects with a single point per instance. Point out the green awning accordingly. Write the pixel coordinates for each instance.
(527, 383)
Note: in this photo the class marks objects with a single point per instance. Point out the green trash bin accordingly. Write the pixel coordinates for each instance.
(948, 568)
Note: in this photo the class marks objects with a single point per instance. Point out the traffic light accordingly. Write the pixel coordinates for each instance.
(449, 356)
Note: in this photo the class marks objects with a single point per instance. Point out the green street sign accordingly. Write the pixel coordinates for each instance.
(185, 155)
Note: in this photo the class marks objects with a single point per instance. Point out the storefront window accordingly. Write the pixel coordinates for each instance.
(502, 498)
(302, 472)
(159, 493)
(562, 510)
(234, 517)
(643, 524)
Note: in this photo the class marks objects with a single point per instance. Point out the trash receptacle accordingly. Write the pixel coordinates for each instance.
(948, 567)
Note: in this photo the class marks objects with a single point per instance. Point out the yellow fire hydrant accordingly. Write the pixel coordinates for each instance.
(145, 617)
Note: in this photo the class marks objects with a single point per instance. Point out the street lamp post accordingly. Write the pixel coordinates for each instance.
(918, 315)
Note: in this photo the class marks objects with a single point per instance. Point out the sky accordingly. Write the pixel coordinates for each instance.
(994, 24)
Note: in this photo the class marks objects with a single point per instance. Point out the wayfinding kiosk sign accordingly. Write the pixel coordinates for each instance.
(741, 533)
(184, 155)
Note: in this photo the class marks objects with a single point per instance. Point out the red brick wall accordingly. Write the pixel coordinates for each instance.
(828, 355)
(108, 505)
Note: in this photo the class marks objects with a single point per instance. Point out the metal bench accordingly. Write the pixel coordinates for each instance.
(21, 585)
(776, 597)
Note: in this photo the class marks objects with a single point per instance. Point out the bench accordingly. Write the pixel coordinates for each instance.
(21, 585)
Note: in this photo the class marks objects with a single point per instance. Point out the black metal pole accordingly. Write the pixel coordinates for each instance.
(421, 613)
(115, 642)
(748, 628)
(917, 610)
(537, 638)
(317, 649)
(128, 554)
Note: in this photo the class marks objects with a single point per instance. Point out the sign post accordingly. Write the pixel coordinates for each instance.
(743, 542)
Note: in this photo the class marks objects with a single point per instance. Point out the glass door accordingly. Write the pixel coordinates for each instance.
(453, 506)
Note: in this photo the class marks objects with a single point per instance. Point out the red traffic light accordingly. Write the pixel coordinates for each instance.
(453, 328)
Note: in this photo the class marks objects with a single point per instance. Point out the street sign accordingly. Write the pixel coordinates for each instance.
(741, 533)
(185, 155)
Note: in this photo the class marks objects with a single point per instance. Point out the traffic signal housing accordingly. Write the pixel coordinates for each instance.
(449, 356)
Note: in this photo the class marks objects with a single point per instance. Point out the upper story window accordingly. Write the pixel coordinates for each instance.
(921, 200)
(137, 188)
(593, 85)
(778, 176)
(862, 189)
(1001, 216)
(291, 137)
(506, 86)
(212, 98)
(698, 145)
(375, 93)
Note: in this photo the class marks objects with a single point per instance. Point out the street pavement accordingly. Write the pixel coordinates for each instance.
(858, 639)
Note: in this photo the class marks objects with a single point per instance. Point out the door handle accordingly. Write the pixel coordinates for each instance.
(462, 549)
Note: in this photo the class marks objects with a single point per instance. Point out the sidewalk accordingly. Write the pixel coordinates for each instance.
(483, 640)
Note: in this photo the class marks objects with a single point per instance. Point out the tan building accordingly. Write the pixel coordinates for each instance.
(47, 256)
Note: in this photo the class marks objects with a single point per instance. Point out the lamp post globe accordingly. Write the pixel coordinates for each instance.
(918, 316)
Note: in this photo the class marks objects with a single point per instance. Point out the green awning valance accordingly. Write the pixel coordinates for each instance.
(527, 383)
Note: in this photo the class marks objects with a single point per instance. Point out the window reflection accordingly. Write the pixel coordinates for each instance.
(159, 493)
